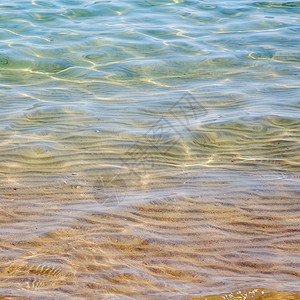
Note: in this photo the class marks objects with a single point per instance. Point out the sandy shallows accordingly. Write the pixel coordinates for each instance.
(63, 245)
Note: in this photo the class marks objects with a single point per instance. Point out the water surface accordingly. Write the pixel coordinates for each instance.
(149, 149)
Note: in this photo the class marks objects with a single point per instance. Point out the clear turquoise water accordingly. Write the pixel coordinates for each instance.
(104, 69)
(130, 101)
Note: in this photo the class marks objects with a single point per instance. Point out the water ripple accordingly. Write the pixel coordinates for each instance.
(149, 149)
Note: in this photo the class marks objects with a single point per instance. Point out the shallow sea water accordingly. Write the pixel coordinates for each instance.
(149, 149)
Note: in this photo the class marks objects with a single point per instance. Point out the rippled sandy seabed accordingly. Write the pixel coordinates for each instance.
(149, 149)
